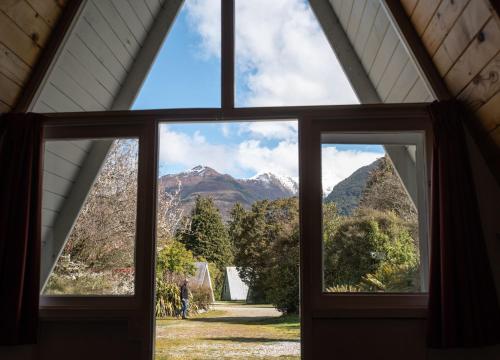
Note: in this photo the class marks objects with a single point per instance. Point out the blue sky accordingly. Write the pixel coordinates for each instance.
(282, 58)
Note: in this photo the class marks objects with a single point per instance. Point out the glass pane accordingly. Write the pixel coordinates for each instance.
(370, 219)
(187, 71)
(89, 217)
(283, 57)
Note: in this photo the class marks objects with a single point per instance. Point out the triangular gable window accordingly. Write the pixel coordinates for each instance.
(186, 72)
(282, 58)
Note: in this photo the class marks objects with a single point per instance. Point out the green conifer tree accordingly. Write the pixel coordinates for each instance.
(206, 236)
(235, 225)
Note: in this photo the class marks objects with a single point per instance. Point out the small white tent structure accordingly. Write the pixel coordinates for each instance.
(234, 287)
(202, 278)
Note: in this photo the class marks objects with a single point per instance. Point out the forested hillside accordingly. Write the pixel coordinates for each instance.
(347, 193)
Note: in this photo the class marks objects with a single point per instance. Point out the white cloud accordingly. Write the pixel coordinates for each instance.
(337, 165)
(226, 131)
(189, 151)
(204, 16)
(282, 56)
(177, 148)
(280, 130)
(281, 159)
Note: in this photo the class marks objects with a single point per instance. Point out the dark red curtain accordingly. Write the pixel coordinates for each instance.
(20, 199)
(463, 306)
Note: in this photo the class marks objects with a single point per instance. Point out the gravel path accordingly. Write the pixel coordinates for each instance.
(229, 331)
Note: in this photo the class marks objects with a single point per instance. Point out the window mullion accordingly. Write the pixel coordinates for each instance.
(227, 54)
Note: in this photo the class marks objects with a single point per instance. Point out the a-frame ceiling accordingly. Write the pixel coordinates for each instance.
(106, 52)
(461, 36)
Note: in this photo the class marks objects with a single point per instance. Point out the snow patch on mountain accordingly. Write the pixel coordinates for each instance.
(285, 181)
(199, 170)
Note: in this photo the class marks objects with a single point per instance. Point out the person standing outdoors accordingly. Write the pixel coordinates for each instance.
(184, 298)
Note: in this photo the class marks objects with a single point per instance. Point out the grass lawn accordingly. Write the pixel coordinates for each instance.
(230, 331)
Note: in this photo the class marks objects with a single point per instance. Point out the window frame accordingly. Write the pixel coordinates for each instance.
(112, 305)
(316, 302)
(401, 138)
(138, 311)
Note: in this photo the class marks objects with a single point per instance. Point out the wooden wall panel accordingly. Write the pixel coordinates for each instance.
(72, 89)
(25, 27)
(495, 134)
(49, 10)
(479, 53)
(27, 19)
(4, 107)
(489, 113)
(93, 41)
(72, 151)
(374, 42)
(467, 26)
(133, 22)
(52, 201)
(95, 20)
(384, 55)
(463, 38)
(72, 66)
(422, 14)
(355, 18)
(409, 6)
(142, 12)
(441, 23)
(380, 49)
(86, 57)
(367, 20)
(56, 184)
(392, 71)
(418, 93)
(14, 38)
(12, 66)
(120, 28)
(8, 90)
(483, 86)
(153, 6)
(97, 55)
(345, 13)
(404, 84)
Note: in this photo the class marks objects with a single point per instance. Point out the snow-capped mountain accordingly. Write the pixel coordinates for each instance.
(278, 180)
(226, 190)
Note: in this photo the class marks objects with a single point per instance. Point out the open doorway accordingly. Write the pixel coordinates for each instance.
(227, 274)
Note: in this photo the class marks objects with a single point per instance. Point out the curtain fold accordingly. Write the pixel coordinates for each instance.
(463, 305)
(20, 222)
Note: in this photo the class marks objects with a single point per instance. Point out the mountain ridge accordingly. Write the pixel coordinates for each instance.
(224, 189)
(348, 192)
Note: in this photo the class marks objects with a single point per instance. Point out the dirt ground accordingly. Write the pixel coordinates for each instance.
(230, 331)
